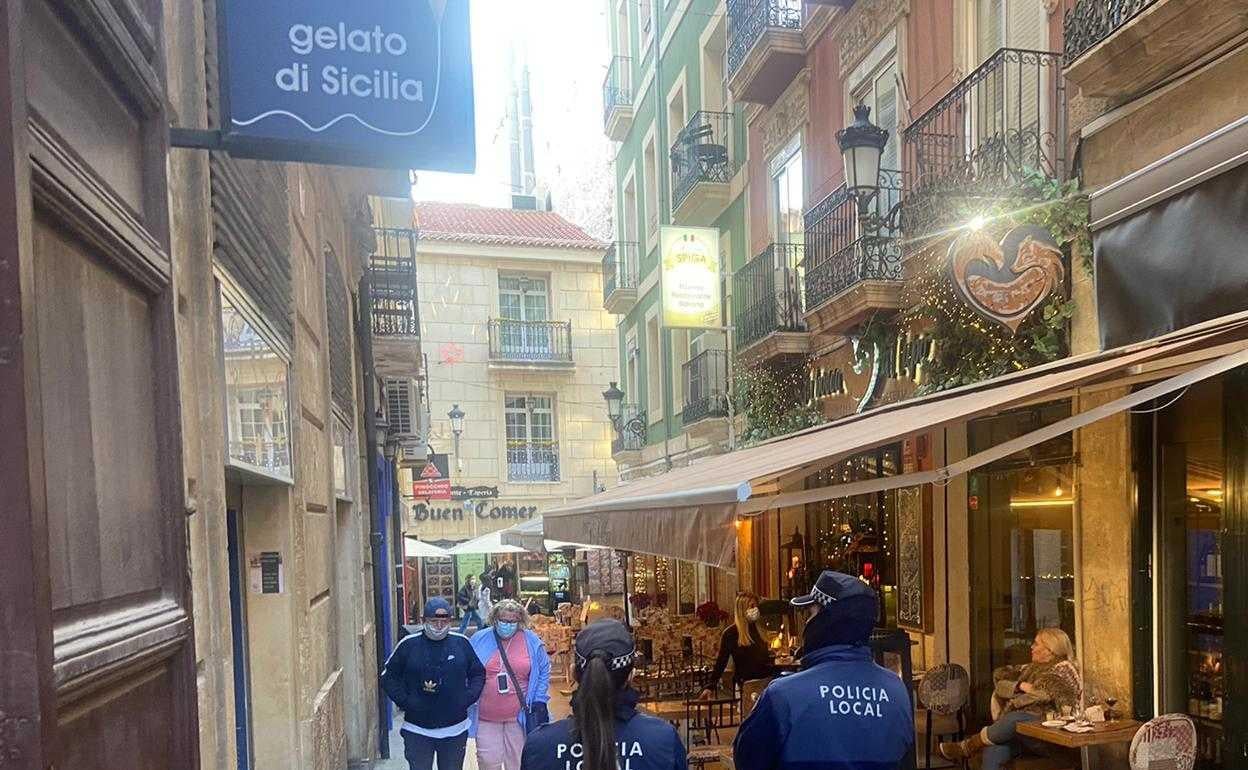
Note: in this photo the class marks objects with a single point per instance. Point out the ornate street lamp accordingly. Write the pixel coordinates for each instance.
(615, 403)
(457, 429)
(862, 144)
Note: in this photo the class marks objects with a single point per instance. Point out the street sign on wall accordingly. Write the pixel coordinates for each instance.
(433, 481)
(365, 82)
(689, 259)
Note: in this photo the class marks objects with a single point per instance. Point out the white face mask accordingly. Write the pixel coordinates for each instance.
(438, 631)
(752, 614)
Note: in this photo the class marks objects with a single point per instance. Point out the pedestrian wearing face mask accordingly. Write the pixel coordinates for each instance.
(433, 676)
(743, 642)
(517, 686)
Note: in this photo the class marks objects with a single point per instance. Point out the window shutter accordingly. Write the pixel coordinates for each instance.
(337, 311)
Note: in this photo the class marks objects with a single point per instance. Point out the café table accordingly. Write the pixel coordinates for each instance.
(1102, 734)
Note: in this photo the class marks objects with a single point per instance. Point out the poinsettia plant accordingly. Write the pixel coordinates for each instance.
(710, 613)
(640, 601)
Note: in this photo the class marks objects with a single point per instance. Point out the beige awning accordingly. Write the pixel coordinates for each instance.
(688, 513)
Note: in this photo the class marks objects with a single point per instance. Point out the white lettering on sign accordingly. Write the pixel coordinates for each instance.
(337, 80)
(852, 699)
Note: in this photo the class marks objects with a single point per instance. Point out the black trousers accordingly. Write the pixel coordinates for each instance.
(419, 750)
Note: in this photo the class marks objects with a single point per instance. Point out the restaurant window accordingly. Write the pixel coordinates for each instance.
(257, 399)
(857, 535)
(1189, 591)
(1021, 511)
(532, 451)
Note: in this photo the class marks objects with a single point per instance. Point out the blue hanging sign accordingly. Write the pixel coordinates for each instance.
(379, 83)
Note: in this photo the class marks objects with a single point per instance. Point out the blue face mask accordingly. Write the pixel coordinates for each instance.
(507, 630)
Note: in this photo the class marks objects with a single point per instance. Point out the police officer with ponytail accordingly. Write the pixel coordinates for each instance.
(605, 731)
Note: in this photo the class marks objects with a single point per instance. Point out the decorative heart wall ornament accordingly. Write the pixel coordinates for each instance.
(1002, 291)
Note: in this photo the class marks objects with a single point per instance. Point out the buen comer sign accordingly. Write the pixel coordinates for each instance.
(356, 82)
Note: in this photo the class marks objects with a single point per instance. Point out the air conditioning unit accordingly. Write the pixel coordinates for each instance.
(405, 409)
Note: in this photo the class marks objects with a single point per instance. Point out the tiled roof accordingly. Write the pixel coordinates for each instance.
(467, 223)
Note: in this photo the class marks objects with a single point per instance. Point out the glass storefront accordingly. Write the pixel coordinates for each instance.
(855, 535)
(1190, 480)
(1021, 511)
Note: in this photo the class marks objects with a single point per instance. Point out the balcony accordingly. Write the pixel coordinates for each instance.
(768, 295)
(534, 461)
(702, 168)
(630, 439)
(617, 98)
(705, 378)
(765, 48)
(850, 275)
(1002, 122)
(1120, 48)
(619, 277)
(530, 344)
(393, 301)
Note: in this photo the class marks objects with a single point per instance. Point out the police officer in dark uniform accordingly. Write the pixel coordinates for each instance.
(605, 731)
(841, 710)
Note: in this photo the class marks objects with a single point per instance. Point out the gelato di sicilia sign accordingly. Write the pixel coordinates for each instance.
(355, 82)
(690, 277)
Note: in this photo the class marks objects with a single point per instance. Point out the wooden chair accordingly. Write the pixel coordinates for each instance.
(943, 694)
(704, 721)
(1167, 742)
(751, 691)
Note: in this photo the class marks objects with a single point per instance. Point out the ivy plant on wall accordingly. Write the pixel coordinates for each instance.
(773, 400)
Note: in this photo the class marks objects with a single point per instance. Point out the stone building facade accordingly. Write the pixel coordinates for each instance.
(514, 335)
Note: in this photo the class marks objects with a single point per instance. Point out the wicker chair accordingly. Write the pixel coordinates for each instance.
(1167, 742)
(943, 694)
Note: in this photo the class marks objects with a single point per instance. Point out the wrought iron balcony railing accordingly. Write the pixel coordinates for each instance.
(530, 341)
(1092, 21)
(1004, 120)
(630, 434)
(619, 268)
(748, 19)
(701, 153)
(706, 386)
(768, 294)
(392, 283)
(617, 88)
(533, 460)
(838, 254)
(272, 454)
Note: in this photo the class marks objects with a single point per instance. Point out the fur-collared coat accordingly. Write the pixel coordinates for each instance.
(1055, 685)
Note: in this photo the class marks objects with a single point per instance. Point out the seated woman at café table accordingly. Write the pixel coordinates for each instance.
(1023, 694)
(743, 642)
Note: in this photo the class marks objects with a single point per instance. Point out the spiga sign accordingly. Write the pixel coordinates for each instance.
(365, 82)
(1006, 281)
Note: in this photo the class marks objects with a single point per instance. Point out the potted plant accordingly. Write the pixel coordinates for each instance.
(710, 614)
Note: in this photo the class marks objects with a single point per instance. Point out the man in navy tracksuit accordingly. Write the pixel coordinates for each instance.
(434, 676)
(841, 711)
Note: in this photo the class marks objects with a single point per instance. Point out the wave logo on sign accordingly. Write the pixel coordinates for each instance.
(334, 81)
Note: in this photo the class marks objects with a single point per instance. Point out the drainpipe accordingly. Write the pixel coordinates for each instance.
(364, 337)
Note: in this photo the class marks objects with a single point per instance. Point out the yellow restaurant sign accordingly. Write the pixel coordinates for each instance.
(689, 258)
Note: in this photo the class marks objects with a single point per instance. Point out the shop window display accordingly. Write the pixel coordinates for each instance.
(856, 535)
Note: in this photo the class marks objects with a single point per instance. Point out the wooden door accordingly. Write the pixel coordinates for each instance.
(97, 664)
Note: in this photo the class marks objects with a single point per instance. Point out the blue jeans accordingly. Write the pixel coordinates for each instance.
(470, 615)
(1004, 736)
(419, 751)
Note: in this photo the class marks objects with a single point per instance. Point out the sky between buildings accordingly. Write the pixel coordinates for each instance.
(565, 42)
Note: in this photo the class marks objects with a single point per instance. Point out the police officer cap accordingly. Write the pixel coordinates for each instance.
(607, 639)
(437, 607)
(834, 587)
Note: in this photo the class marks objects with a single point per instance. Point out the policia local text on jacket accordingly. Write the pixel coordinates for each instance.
(841, 711)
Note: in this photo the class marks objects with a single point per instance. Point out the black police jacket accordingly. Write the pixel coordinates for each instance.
(643, 742)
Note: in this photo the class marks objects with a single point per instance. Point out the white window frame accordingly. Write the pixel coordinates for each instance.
(528, 439)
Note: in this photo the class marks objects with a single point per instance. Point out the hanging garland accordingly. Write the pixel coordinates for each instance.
(969, 348)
